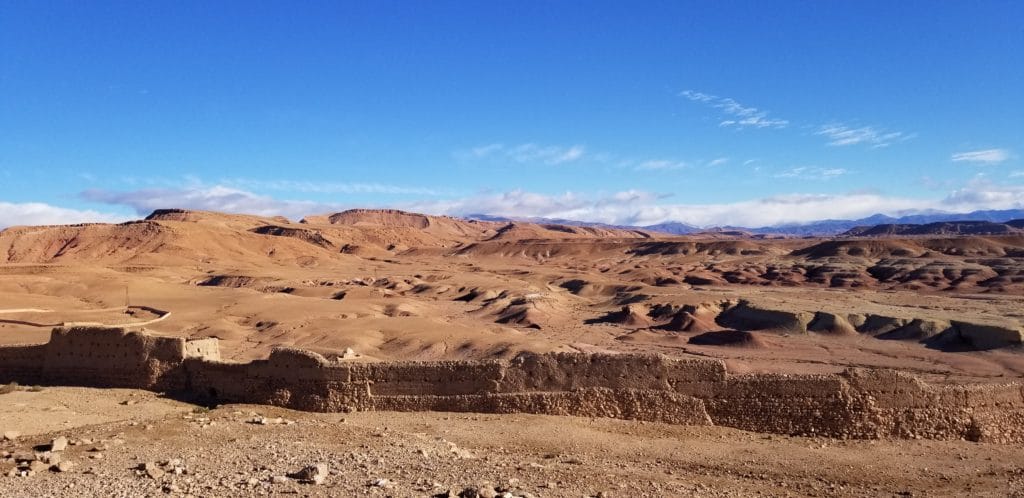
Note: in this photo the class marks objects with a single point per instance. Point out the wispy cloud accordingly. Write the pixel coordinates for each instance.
(736, 115)
(811, 173)
(526, 153)
(1017, 174)
(986, 156)
(839, 134)
(38, 213)
(671, 164)
(660, 164)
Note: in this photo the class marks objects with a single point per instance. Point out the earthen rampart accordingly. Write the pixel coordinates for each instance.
(858, 403)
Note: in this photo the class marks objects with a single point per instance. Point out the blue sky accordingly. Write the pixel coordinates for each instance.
(728, 112)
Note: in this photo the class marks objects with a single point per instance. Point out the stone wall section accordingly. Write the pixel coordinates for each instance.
(858, 403)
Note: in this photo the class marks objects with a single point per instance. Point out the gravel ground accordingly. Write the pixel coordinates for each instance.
(158, 447)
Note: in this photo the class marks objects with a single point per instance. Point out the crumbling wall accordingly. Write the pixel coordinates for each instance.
(207, 349)
(901, 405)
(568, 371)
(632, 404)
(23, 364)
(781, 404)
(856, 404)
(113, 357)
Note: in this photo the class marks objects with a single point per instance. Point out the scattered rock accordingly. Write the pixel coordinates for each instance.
(63, 466)
(152, 470)
(59, 444)
(11, 435)
(312, 474)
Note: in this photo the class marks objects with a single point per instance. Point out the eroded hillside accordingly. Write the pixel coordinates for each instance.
(396, 285)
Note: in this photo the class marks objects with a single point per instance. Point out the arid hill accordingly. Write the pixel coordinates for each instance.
(396, 285)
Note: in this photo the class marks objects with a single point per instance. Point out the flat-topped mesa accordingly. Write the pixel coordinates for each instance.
(854, 404)
(378, 217)
(194, 215)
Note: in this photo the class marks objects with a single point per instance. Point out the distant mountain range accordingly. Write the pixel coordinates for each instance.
(822, 227)
(940, 228)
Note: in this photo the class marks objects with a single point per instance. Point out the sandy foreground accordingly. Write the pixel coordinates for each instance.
(222, 452)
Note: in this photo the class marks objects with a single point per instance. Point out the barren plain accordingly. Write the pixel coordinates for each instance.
(371, 286)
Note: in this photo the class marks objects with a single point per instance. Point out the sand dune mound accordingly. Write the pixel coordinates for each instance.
(730, 338)
(629, 315)
(689, 320)
(585, 288)
(531, 310)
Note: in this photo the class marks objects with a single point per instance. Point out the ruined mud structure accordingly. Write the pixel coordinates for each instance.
(854, 404)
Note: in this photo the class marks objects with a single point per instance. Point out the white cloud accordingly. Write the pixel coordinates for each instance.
(839, 135)
(526, 153)
(739, 116)
(628, 207)
(215, 198)
(38, 213)
(640, 208)
(1017, 174)
(811, 173)
(987, 156)
(718, 162)
(983, 194)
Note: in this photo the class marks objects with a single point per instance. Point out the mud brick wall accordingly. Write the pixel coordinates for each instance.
(633, 404)
(95, 356)
(203, 348)
(856, 404)
(782, 404)
(22, 364)
(429, 378)
(902, 406)
(567, 371)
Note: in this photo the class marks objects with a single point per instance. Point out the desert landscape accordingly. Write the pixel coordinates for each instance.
(512, 249)
(611, 353)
